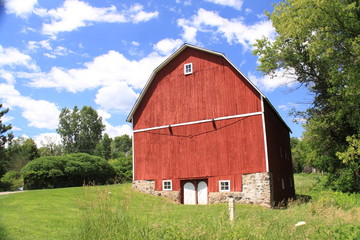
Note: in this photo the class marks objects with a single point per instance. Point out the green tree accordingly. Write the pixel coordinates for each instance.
(103, 148)
(349, 177)
(20, 152)
(4, 138)
(80, 131)
(318, 42)
(121, 144)
(50, 147)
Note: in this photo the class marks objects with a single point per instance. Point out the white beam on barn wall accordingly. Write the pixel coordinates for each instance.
(197, 122)
(133, 152)
(264, 130)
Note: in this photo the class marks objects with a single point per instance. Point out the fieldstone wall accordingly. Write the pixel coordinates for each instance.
(256, 189)
(148, 186)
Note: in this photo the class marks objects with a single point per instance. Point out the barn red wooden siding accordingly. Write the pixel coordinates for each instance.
(214, 90)
(279, 155)
(236, 147)
(222, 149)
(222, 152)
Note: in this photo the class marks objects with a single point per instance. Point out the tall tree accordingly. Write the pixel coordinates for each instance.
(4, 138)
(80, 131)
(50, 147)
(20, 152)
(103, 148)
(319, 43)
(121, 144)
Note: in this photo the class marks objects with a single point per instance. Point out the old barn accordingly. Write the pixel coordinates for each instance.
(204, 132)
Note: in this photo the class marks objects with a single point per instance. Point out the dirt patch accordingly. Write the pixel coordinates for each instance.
(6, 193)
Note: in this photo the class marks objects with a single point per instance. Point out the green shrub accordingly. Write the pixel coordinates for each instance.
(67, 171)
(123, 167)
(11, 181)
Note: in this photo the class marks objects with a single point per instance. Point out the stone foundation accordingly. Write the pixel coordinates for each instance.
(256, 189)
(148, 186)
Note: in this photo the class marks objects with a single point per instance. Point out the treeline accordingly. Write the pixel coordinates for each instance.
(317, 44)
(84, 156)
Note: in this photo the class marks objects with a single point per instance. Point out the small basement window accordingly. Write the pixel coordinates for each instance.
(188, 69)
(224, 186)
(167, 185)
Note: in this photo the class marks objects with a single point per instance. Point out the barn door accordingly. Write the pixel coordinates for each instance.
(195, 192)
(202, 192)
(189, 193)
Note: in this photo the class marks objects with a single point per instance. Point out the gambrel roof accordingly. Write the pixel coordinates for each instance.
(175, 54)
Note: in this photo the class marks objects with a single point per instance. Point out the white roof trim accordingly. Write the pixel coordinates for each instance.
(171, 57)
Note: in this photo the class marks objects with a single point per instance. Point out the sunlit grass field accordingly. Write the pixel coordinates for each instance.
(118, 212)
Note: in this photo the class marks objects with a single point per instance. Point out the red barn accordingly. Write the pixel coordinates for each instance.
(203, 132)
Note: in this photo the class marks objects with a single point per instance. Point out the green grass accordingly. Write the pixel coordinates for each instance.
(117, 212)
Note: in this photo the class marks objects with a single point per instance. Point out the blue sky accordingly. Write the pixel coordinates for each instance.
(56, 54)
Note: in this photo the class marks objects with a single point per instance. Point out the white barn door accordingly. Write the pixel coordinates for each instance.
(189, 193)
(202, 192)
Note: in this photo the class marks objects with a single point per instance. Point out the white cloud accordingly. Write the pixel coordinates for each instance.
(234, 30)
(185, 2)
(168, 45)
(114, 75)
(39, 113)
(237, 4)
(119, 97)
(189, 34)
(248, 10)
(34, 45)
(104, 70)
(12, 57)
(6, 118)
(280, 79)
(7, 76)
(45, 138)
(114, 131)
(21, 8)
(75, 14)
(138, 15)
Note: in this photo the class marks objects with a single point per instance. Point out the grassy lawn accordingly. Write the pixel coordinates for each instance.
(117, 212)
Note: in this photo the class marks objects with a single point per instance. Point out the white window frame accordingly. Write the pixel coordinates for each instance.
(163, 185)
(185, 68)
(224, 181)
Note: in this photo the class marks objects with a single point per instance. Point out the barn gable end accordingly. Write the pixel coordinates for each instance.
(207, 128)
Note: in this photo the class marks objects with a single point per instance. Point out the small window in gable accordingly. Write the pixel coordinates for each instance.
(188, 69)
(224, 186)
(167, 185)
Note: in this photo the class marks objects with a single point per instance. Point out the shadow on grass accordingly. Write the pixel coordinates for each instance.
(297, 200)
(302, 198)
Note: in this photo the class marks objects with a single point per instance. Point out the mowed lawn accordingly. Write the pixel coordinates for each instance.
(118, 212)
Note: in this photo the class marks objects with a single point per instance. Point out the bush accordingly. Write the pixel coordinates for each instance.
(11, 181)
(67, 171)
(123, 168)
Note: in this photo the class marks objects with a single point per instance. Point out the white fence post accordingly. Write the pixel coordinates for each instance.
(232, 209)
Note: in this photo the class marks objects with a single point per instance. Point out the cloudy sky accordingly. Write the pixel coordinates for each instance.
(100, 53)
